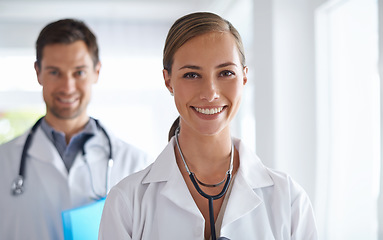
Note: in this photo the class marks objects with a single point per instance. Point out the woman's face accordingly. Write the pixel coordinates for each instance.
(207, 80)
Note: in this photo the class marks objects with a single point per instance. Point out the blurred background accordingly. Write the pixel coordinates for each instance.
(311, 108)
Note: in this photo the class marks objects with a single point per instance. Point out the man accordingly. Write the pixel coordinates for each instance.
(66, 158)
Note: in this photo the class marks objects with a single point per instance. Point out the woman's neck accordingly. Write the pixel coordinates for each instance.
(205, 154)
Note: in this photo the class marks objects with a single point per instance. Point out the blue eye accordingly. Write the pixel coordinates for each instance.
(80, 73)
(191, 75)
(54, 73)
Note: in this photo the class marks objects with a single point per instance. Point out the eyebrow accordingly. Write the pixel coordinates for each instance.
(199, 68)
(190, 67)
(51, 67)
(226, 64)
(55, 68)
(82, 66)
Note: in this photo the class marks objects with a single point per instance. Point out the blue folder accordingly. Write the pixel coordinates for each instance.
(83, 222)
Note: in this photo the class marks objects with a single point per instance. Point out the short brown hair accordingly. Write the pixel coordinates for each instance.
(193, 25)
(66, 31)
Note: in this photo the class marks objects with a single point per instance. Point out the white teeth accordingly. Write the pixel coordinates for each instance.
(67, 100)
(208, 111)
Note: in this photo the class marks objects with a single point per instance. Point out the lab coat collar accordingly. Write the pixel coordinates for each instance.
(251, 175)
(42, 149)
(165, 169)
(164, 165)
(98, 141)
(251, 167)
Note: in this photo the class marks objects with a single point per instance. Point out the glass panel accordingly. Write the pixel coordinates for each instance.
(354, 125)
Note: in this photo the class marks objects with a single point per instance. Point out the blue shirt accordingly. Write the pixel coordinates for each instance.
(69, 151)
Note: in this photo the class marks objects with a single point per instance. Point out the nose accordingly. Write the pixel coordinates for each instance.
(68, 83)
(210, 90)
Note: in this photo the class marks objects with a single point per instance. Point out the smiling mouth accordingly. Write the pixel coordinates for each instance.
(67, 100)
(209, 111)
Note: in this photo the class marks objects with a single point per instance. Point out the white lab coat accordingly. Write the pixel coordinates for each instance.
(49, 189)
(156, 204)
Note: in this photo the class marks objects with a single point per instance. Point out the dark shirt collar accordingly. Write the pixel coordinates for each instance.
(90, 128)
(69, 151)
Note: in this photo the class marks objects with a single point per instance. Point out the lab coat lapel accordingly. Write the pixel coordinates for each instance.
(177, 192)
(41, 166)
(42, 149)
(250, 175)
(165, 169)
(96, 148)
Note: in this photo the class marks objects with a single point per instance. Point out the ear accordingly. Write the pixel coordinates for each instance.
(167, 79)
(245, 70)
(97, 69)
(37, 69)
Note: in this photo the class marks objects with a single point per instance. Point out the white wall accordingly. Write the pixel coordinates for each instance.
(281, 61)
(284, 63)
(380, 199)
(131, 42)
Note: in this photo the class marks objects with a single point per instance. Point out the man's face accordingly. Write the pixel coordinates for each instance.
(66, 74)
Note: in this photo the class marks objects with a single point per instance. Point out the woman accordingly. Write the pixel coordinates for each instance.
(206, 184)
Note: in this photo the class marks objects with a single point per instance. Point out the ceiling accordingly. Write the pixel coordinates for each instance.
(140, 10)
(118, 23)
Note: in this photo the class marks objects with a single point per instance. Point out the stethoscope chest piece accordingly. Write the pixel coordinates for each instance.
(18, 186)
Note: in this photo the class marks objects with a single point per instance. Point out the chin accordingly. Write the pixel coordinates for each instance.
(67, 115)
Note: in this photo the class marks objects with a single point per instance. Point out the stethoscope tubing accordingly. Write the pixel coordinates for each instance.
(18, 184)
(27, 144)
(210, 198)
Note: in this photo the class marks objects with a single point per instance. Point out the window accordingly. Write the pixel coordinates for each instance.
(348, 104)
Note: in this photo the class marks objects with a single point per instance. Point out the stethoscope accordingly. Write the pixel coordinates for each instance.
(18, 184)
(210, 198)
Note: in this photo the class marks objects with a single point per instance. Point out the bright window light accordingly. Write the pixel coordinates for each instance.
(349, 122)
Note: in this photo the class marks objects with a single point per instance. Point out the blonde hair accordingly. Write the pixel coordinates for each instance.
(193, 25)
